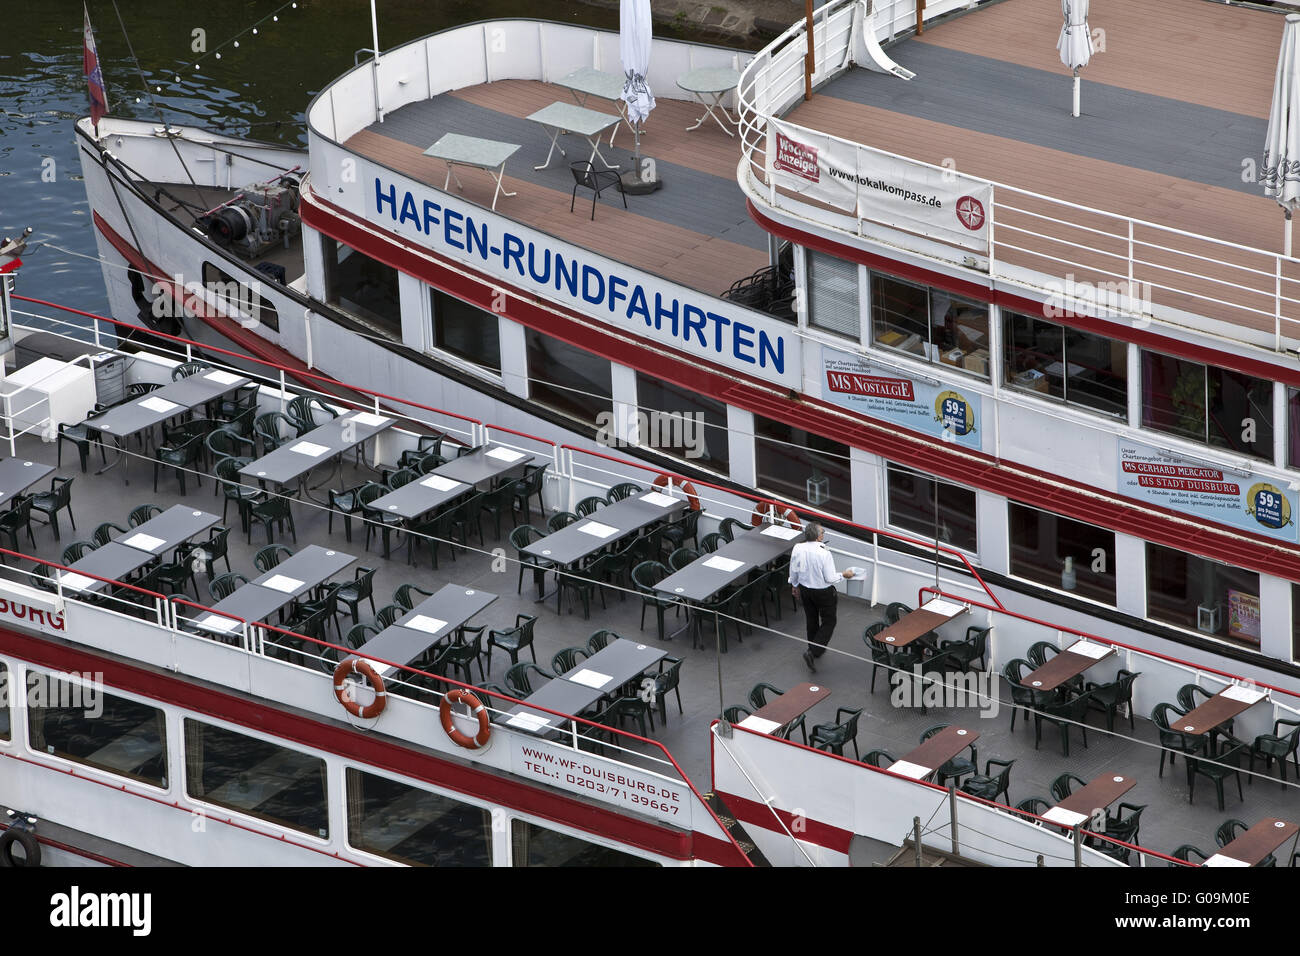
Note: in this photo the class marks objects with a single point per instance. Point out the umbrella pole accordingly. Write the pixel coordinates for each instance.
(1076, 94)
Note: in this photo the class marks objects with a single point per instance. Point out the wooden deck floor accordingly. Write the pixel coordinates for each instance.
(654, 234)
(1147, 58)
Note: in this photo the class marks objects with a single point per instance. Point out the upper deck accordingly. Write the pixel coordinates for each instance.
(768, 653)
(1152, 188)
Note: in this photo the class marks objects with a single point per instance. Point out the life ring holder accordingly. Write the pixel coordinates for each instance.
(354, 665)
(476, 710)
(694, 498)
(767, 510)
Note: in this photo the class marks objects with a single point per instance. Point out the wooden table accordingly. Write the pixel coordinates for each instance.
(1067, 665)
(1219, 709)
(786, 709)
(922, 621)
(1078, 807)
(1253, 846)
(923, 761)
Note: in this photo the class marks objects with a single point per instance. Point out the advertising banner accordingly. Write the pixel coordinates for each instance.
(941, 204)
(943, 411)
(1199, 490)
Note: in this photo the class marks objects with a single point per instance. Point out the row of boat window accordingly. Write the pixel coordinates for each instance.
(280, 785)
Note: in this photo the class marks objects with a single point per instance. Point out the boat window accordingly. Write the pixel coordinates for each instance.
(931, 324)
(238, 298)
(1295, 622)
(567, 378)
(1076, 367)
(1202, 595)
(256, 777)
(833, 294)
(358, 284)
(414, 826)
(465, 331)
(912, 506)
(536, 846)
(1293, 427)
(5, 692)
(1062, 553)
(803, 467)
(78, 721)
(1214, 406)
(682, 423)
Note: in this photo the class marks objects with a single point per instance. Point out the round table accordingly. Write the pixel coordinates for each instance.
(714, 81)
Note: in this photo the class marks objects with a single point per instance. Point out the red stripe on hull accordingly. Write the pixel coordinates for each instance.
(351, 745)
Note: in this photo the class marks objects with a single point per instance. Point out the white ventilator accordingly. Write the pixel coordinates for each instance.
(1075, 43)
(1280, 172)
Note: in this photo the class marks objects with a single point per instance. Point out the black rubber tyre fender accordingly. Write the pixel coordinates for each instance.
(27, 839)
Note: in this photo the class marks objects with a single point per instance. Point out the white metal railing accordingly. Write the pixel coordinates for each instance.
(1151, 271)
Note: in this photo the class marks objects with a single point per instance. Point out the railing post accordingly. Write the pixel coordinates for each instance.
(993, 201)
(952, 813)
(916, 840)
(1078, 845)
(283, 404)
(1277, 303)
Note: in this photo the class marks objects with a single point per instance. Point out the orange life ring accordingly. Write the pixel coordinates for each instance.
(686, 486)
(476, 709)
(354, 665)
(770, 509)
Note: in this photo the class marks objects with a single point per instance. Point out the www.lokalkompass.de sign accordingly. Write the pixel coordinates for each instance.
(939, 203)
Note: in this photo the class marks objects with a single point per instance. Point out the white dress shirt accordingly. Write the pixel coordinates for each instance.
(811, 566)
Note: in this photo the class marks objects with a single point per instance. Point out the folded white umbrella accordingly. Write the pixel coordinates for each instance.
(1281, 170)
(634, 37)
(1075, 42)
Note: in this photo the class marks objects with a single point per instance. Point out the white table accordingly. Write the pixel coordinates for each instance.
(485, 154)
(714, 81)
(586, 82)
(576, 119)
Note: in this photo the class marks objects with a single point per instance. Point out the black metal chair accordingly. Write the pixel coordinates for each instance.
(589, 177)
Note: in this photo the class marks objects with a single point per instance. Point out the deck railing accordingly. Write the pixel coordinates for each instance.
(1087, 260)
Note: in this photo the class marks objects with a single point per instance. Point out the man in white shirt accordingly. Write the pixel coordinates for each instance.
(812, 578)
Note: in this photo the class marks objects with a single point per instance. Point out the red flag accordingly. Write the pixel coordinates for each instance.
(95, 78)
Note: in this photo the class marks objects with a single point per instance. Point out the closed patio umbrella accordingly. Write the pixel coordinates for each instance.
(1075, 43)
(634, 39)
(1281, 169)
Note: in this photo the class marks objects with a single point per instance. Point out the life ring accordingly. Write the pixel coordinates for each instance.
(476, 709)
(354, 665)
(766, 510)
(686, 486)
(31, 847)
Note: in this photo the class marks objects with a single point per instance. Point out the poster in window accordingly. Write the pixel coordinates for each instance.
(1243, 616)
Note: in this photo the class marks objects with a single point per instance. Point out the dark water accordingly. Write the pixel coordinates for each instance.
(260, 88)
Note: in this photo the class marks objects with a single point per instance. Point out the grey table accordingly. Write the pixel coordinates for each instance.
(163, 532)
(485, 154)
(605, 526)
(577, 119)
(715, 82)
(563, 695)
(429, 622)
(299, 573)
(297, 456)
(612, 667)
(252, 603)
(416, 498)
(709, 574)
(17, 475)
(587, 81)
(483, 464)
(114, 561)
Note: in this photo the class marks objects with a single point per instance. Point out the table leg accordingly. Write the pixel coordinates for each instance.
(451, 174)
(708, 111)
(595, 151)
(501, 188)
(555, 135)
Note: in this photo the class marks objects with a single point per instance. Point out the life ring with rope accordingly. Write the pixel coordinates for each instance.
(354, 665)
(769, 510)
(476, 709)
(686, 486)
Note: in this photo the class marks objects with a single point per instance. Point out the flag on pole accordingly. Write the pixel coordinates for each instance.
(94, 77)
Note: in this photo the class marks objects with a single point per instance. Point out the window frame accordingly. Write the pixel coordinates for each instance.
(891, 468)
(258, 307)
